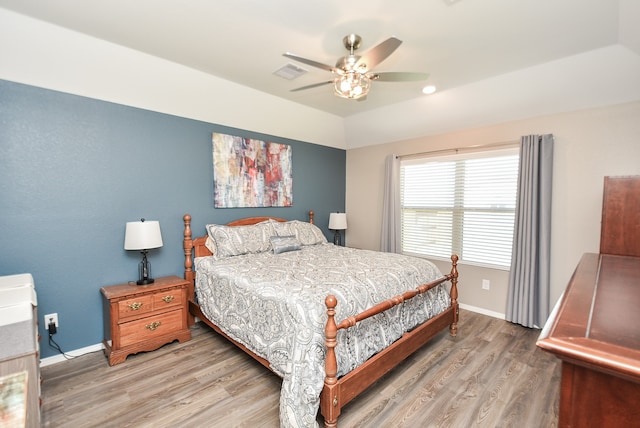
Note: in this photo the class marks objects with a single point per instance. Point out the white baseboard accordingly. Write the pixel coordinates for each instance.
(60, 358)
(482, 311)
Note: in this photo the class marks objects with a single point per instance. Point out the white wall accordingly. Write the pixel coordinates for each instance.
(44, 55)
(589, 145)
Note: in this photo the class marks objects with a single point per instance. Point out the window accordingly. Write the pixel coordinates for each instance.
(460, 204)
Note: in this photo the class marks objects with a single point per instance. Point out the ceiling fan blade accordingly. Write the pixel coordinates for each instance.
(379, 53)
(398, 76)
(315, 85)
(309, 62)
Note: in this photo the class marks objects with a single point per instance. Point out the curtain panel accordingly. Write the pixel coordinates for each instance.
(390, 236)
(528, 296)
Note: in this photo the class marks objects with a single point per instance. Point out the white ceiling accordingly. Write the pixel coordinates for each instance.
(459, 42)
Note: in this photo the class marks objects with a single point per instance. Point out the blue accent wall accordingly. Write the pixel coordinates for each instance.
(74, 170)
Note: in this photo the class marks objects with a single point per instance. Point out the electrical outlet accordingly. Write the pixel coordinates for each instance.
(486, 284)
(48, 318)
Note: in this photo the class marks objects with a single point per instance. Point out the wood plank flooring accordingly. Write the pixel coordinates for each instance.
(490, 375)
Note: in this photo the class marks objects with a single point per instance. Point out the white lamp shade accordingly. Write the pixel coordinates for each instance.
(337, 221)
(142, 235)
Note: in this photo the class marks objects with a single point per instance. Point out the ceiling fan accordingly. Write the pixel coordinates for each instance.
(353, 72)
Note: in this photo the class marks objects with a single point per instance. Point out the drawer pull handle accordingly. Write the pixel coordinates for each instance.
(135, 306)
(154, 325)
(168, 299)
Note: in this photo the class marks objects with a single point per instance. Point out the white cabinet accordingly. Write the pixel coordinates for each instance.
(19, 353)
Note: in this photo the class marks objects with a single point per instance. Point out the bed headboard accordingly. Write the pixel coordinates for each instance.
(195, 247)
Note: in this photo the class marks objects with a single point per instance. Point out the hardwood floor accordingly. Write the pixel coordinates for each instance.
(491, 375)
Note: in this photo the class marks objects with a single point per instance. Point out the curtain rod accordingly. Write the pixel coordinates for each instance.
(461, 149)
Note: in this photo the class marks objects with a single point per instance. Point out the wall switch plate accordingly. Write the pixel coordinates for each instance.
(486, 284)
(48, 318)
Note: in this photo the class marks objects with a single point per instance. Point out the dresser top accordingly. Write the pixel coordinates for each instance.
(595, 323)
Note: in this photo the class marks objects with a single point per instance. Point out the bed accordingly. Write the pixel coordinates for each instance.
(329, 320)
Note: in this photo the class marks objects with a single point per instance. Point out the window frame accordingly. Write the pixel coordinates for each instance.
(505, 149)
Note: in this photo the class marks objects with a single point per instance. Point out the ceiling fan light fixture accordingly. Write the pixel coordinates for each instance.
(353, 73)
(352, 85)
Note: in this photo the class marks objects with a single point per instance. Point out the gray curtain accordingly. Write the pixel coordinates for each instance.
(528, 293)
(390, 237)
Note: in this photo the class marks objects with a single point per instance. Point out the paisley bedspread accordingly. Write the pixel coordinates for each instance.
(274, 305)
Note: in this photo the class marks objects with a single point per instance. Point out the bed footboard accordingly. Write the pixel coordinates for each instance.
(338, 392)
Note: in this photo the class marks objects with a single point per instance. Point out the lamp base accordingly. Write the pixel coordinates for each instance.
(146, 281)
(144, 270)
(337, 238)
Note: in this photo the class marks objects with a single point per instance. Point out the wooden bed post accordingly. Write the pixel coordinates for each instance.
(329, 400)
(187, 244)
(311, 215)
(453, 329)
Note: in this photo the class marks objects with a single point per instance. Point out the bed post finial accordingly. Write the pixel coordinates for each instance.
(330, 392)
(311, 215)
(330, 334)
(187, 244)
(453, 329)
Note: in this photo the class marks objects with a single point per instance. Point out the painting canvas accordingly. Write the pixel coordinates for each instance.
(251, 173)
(13, 400)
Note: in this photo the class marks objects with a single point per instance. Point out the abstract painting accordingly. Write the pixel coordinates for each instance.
(251, 173)
(13, 400)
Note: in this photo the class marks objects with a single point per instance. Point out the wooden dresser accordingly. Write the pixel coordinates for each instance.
(620, 229)
(595, 327)
(144, 317)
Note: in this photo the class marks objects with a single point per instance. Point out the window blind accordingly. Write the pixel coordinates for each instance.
(462, 204)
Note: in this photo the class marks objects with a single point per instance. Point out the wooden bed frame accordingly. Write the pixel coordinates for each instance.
(337, 392)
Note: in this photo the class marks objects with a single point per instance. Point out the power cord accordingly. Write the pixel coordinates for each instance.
(52, 343)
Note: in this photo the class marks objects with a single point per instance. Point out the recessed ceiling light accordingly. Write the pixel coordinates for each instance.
(428, 89)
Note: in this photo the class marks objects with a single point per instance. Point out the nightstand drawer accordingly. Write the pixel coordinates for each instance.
(135, 306)
(168, 298)
(151, 327)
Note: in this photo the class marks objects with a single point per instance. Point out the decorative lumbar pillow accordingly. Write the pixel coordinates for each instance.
(227, 241)
(282, 244)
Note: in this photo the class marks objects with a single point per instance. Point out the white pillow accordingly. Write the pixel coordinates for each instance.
(307, 233)
(227, 241)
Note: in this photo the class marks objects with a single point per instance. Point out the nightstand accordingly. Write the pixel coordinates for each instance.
(144, 317)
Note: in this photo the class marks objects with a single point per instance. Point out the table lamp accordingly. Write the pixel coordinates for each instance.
(142, 236)
(337, 222)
